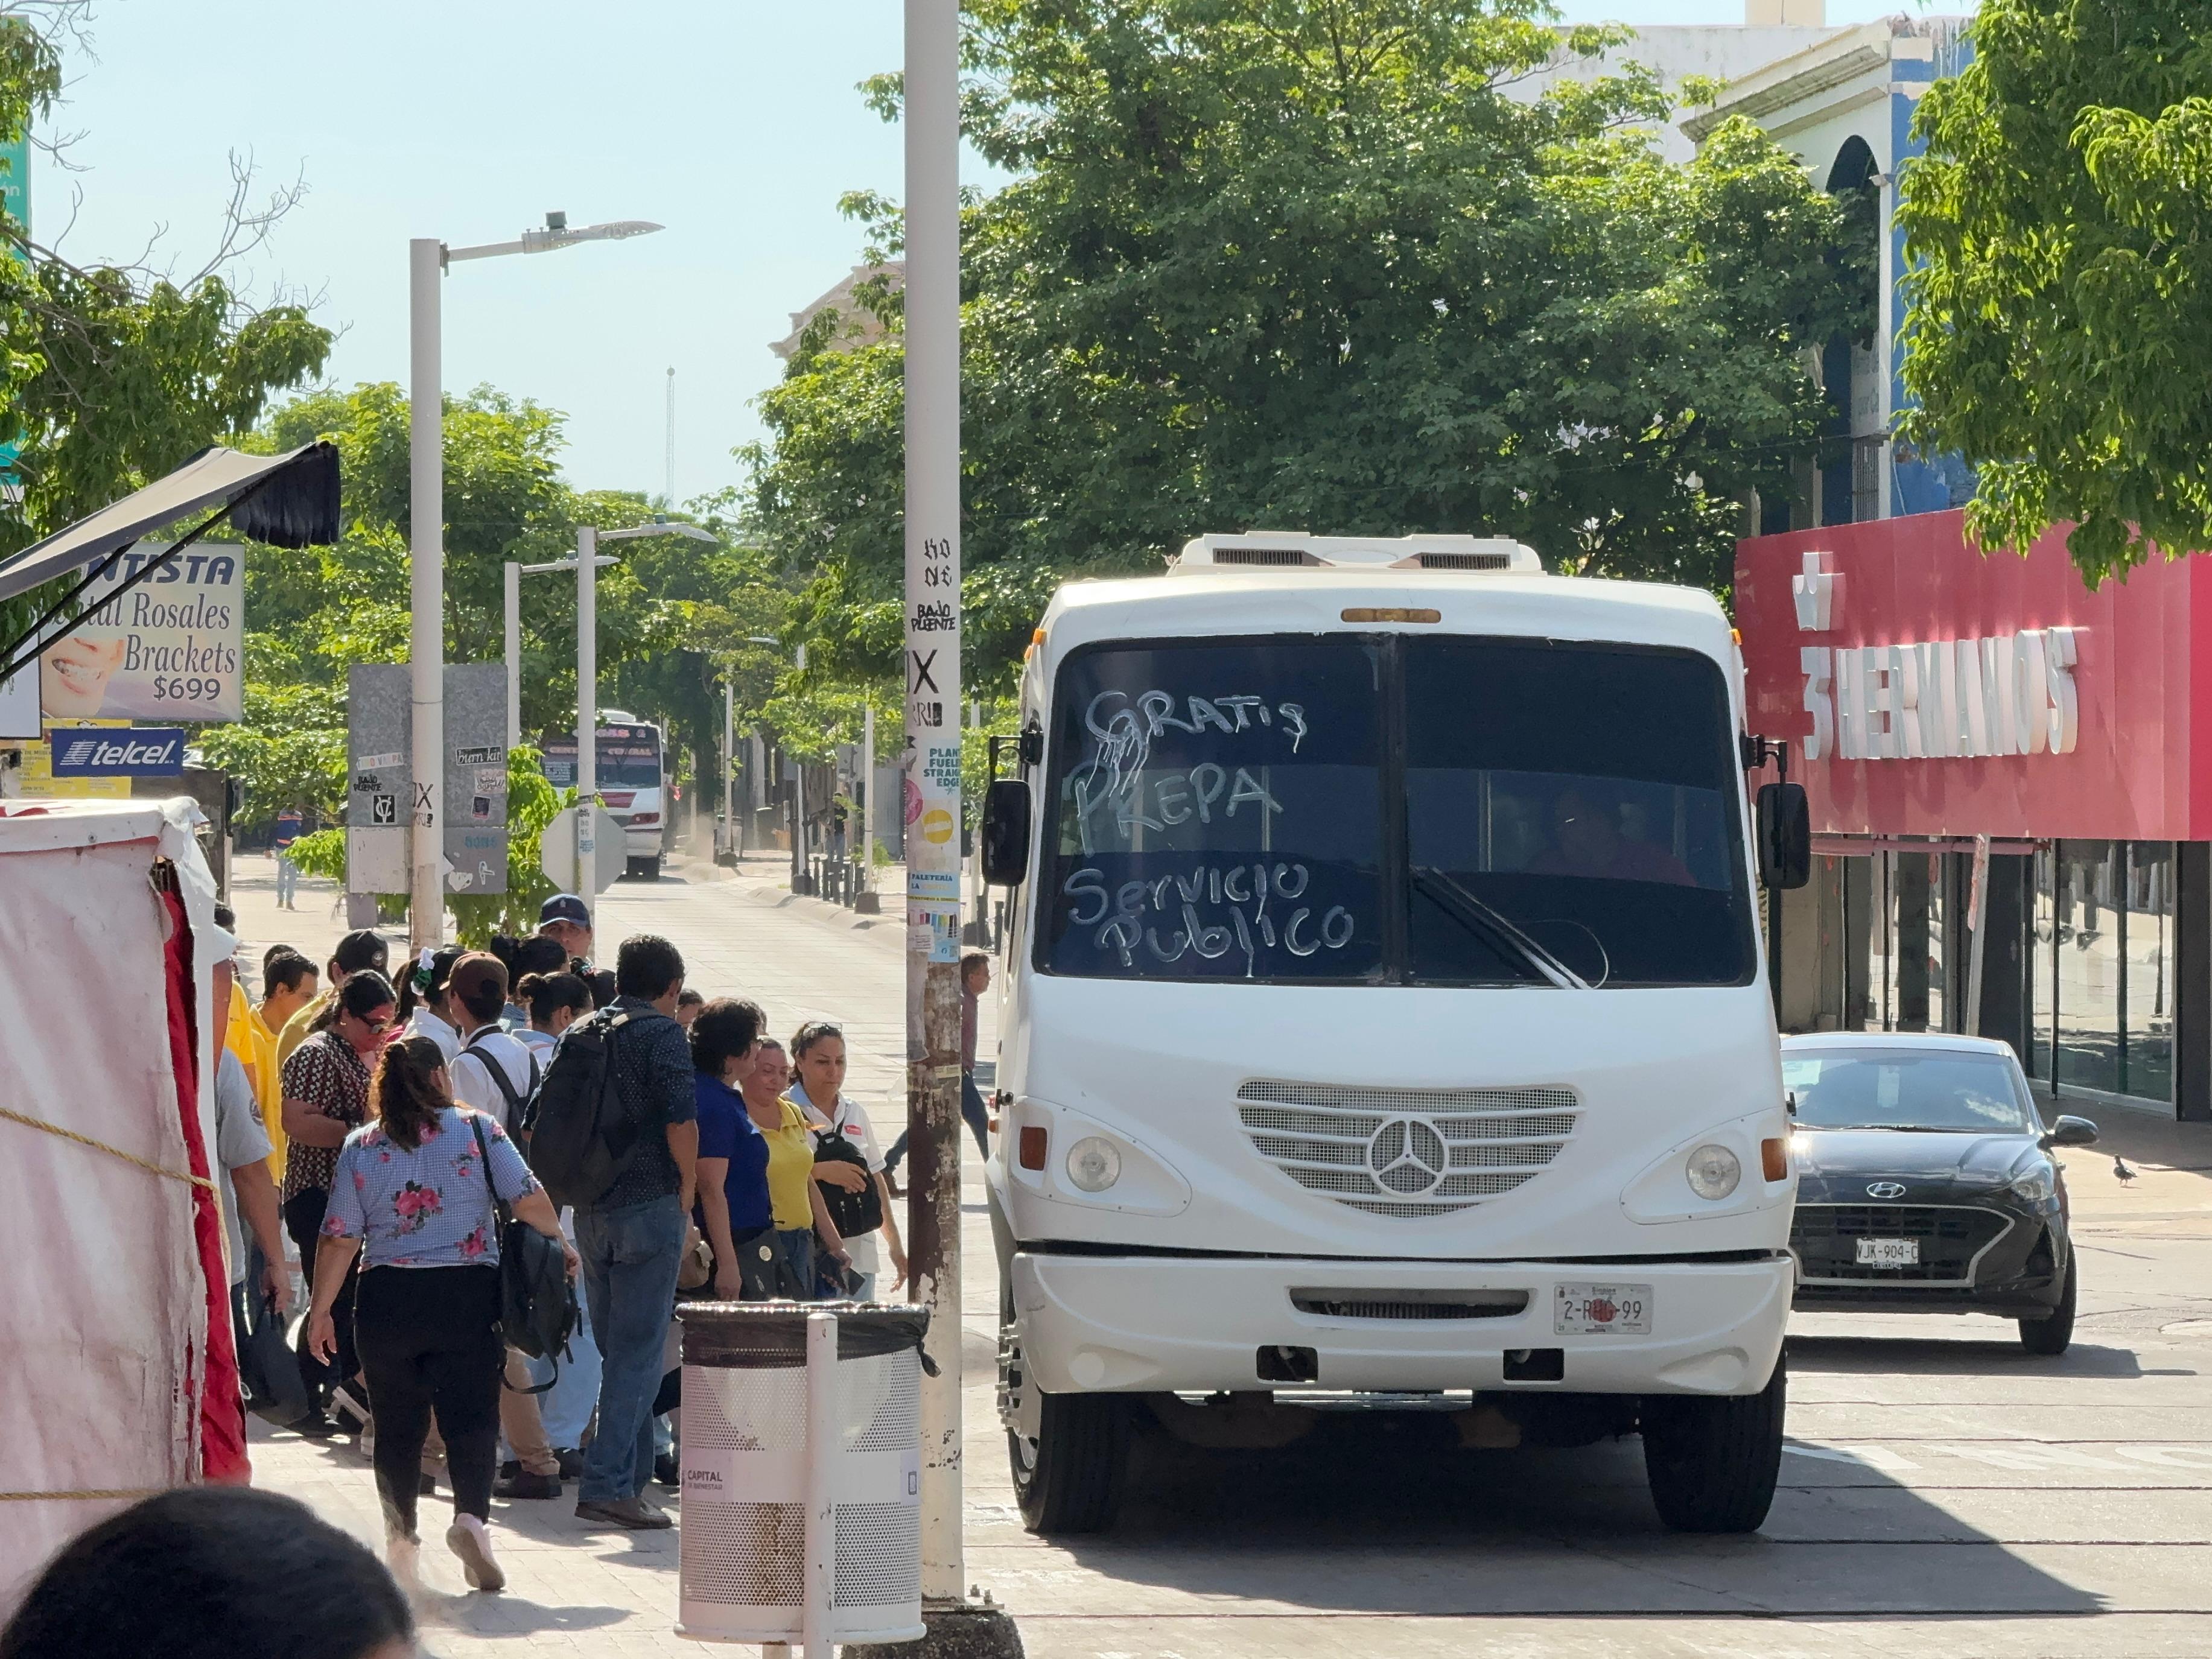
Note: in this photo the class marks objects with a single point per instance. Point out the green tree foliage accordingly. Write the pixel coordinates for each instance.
(2058, 333)
(1308, 265)
(113, 376)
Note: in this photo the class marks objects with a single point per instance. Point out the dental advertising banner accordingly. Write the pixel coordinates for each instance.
(171, 649)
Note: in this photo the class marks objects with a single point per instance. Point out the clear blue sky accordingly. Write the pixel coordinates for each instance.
(735, 122)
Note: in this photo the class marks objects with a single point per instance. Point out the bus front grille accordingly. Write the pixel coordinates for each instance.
(1406, 1152)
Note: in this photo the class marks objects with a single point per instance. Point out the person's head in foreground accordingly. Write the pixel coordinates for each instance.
(213, 1572)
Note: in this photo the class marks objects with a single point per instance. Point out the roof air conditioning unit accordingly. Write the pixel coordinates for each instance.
(1279, 549)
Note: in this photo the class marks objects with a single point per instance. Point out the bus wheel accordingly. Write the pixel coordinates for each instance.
(1067, 1450)
(1713, 1462)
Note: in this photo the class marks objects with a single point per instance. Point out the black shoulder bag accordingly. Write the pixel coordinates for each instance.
(537, 1302)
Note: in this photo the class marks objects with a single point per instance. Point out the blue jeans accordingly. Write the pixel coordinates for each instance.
(288, 879)
(566, 1408)
(630, 1259)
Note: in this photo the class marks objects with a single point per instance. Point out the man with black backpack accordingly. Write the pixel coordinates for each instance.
(614, 1131)
(496, 1073)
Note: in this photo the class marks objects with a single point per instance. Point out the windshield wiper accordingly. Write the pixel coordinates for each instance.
(1477, 917)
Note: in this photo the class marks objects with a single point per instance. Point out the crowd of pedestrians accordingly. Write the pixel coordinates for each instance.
(384, 1120)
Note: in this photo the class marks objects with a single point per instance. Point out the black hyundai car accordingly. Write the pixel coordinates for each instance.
(1926, 1183)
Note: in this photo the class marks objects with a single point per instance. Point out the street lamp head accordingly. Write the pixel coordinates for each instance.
(556, 233)
(659, 527)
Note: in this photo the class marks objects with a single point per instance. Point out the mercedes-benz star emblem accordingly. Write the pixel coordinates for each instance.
(1885, 1189)
(1408, 1156)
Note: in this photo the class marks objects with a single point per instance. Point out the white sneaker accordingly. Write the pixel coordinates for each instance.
(469, 1539)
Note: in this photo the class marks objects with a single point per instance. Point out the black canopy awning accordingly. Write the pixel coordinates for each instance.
(288, 500)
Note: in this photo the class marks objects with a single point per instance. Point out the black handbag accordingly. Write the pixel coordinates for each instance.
(267, 1370)
(853, 1213)
(536, 1304)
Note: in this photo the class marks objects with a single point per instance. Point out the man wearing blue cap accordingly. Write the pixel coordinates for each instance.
(566, 919)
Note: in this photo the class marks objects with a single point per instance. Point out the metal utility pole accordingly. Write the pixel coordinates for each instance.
(513, 608)
(426, 537)
(729, 772)
(864, 900)
(588, 706)
(931, 762)
(668, 460)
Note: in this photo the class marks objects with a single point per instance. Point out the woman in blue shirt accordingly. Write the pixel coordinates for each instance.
(411, 1197)
(733, 1198)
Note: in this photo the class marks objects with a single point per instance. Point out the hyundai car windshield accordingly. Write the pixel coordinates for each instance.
(1866, 1088)
(1385, 808)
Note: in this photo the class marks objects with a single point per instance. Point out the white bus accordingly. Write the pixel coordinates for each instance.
(1384, 1022)
(630, 763)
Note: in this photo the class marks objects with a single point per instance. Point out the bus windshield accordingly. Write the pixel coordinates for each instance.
(1384, 809)
(625, 757)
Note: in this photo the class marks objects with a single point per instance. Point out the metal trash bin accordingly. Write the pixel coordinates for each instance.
(801, 1473)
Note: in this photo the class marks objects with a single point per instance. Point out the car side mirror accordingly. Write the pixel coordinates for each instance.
(1785, 835)
(2069, 1131)
(1006, 832)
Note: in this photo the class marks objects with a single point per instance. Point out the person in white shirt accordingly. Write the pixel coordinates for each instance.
(553, 1002)
(422, 999)
(475, 997)
(818, 1052)
(488, 1054)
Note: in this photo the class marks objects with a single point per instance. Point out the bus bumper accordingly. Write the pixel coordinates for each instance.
(1123, 1324)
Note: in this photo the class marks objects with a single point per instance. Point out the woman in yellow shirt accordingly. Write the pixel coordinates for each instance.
(794, 1201)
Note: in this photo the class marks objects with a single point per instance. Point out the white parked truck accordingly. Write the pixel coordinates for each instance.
(1384, 1020)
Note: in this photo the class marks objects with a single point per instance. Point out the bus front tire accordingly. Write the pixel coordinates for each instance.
(1068, 1452)
(1712, 1462)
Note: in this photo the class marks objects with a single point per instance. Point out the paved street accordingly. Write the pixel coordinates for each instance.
(1941, 1489)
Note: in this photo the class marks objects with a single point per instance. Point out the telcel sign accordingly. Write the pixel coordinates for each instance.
(117, 752)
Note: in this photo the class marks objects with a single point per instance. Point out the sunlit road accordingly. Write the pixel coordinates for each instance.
(1942, 1489)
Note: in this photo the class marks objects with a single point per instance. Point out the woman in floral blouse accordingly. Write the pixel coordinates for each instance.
(409, 1196)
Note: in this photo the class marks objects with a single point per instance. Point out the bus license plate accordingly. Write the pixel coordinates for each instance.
(1889, 1252)
(1601, 1310)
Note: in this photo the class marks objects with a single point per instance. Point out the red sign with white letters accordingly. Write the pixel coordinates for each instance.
(1927, 689)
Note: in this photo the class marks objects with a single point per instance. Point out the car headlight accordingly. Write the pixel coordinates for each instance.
(2035, 1185)
(1093, 1165)
(1713, 1171)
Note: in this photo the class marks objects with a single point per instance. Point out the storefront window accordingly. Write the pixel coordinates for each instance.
(1917, 884)
(2147, 972)
(2042, 962)
(2088, 965)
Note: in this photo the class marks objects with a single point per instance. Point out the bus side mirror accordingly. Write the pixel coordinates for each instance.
(1007, 833)
(1785, 835)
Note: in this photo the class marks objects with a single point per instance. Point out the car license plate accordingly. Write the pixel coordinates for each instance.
(1889, 1252)
(1601, 1310)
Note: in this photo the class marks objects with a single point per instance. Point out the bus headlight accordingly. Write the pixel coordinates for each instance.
(1713, 1171)
(1093, 1165)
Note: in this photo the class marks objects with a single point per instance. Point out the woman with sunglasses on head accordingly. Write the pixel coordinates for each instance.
(325, 1087)
(412, 1197)
(818, 1053)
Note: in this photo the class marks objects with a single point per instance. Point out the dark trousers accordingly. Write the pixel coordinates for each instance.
(972, 1109)
(303, 1220)
(429, 1337)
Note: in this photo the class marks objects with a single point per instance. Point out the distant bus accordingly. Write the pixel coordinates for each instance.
(631, 775)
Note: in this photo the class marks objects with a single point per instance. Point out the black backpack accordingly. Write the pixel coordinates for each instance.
(578, 1133)
(537, 1310)
(517, 1104)
(853, 1213)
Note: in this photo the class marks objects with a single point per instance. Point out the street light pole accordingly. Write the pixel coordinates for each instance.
(513, 643)
(729, 770)
(427, 260)
(425, 655)
(931, 762)
(587, 707)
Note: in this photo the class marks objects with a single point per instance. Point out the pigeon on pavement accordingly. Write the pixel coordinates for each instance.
(2122, 1171)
